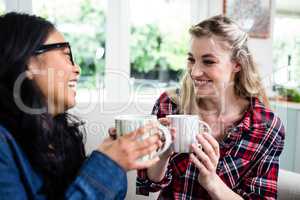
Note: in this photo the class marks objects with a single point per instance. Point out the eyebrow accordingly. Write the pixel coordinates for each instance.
(190, 54)
(204, 56)
(208, 56)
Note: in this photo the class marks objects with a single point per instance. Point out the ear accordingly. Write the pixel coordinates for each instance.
(29, 74)
(236, 67)
(32, 67)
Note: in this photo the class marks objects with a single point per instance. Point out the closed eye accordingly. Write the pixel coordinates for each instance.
(191, 60)
(209, 62)
(68, 54)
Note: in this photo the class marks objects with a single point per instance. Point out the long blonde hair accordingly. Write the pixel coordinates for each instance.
(247, 82)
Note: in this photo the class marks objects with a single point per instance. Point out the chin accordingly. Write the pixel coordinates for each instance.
(70, 103)
(201, 93)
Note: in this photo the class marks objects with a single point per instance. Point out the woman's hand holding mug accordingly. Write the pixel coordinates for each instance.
(127, 149)
(141, 140)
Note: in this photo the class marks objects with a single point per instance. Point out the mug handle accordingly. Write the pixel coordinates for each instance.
(205, 124)
(165, 133)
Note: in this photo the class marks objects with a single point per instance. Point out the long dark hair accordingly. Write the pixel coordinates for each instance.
(53, 145)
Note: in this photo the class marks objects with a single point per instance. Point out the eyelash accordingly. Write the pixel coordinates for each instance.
(205, 62)
(192, 60)
(208, 62)
(69, 55)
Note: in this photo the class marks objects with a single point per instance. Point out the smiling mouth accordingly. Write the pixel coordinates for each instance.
(199, 83)
(72, 84)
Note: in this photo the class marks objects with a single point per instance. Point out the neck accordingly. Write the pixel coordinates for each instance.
(226, 103)
(55, 109)
(222, 112)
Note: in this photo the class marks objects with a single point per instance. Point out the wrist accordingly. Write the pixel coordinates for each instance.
(157, 171)
(166, 155)
(214, 188)
(219, 190)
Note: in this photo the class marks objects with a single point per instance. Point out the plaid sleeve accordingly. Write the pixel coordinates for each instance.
(144, 185)
(162, 107)
(261, 183)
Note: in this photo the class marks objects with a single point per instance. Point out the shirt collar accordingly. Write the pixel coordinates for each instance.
(252, 119)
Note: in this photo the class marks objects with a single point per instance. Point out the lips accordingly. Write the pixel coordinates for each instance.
(72, 84)
(202, 82)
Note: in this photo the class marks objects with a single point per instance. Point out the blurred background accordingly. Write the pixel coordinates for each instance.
(130, 51)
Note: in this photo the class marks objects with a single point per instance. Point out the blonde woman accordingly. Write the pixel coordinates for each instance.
(222, 85)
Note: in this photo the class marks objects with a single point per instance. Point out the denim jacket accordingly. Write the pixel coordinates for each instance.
(98, 178)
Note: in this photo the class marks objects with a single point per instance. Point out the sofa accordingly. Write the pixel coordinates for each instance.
(288, 185)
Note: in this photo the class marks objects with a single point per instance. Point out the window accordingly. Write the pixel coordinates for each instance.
(159, 42)
(83, 24)
(157, 45)
(286, 56)
(2, 7)
(287, 49)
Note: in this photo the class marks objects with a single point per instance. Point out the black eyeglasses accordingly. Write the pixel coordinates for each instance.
(48, 47)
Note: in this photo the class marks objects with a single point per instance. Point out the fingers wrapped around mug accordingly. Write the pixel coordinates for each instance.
(145, 146)
(205, 153)
(206, 159)
(149, 144)
(126, 150)
(165, 121)
(112, 132)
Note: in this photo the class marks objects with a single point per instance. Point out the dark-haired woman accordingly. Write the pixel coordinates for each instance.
(41, 146)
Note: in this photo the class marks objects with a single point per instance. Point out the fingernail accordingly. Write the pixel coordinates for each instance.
(194, 145)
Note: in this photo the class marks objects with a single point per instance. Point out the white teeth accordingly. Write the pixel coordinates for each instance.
(72, 84)
(202, 82)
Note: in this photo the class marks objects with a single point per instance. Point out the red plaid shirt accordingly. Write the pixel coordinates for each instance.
(248, 161)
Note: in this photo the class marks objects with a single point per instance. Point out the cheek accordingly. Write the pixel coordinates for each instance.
(189, 67)
(222, 73)
(61, 82)
(215, 74)
(57, 82)
(222, 78)
(42, 83)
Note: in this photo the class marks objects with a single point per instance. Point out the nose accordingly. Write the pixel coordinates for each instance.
(77, 69)
(196, 71)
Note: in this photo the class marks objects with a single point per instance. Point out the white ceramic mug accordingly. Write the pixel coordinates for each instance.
(187, 127)
(125, 124)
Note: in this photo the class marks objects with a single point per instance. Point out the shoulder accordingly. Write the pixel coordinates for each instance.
(170, 95)
(5, 136)
(165, 104)
(6, 145)
(261, 132)
(164, 98)
(263, 124)
(9, 147)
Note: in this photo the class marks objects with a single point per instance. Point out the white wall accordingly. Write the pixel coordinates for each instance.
(18, 5)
